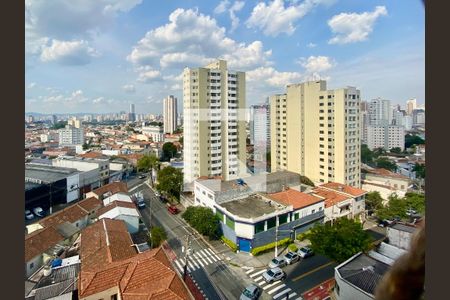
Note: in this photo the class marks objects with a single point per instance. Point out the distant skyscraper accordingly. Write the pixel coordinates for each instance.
(170, 114)
(316, 132)
(132, 113)
(411, 105)
(214, 125)
(260, 135)
(54, 119)
(380, 112)
(30, 119)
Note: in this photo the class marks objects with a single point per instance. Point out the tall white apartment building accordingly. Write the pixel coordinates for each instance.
(170, 114)
(260, 124)
(316, 132)
(386, 137)
(75, 122)
(380, 112)
(411, 105)
(214, 125)
(71, 136)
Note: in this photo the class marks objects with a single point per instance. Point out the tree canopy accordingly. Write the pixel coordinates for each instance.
(413, 140)
(373, 201)
(147, 162)
(157, 236)
(169, 150)
(340, 241)
(397, 207)
(396, 150)
(383, 162)
(203, 220)
(170, 181)
(366, 154)
(420, 170)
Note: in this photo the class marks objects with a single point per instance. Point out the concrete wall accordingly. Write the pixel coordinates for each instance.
(228, 232)
(37, 262)
(398, 238)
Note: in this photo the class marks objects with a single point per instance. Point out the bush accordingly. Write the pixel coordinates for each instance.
(229, 243)
(303, 235)
(269, 247)
(293, 247)
(156, 237)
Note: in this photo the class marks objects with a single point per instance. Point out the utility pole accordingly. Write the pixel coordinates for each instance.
(186, 256)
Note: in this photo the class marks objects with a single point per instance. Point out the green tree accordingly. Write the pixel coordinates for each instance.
(59, 125)
(396, 150)
(413, 140)
(170, 181)
(383, 162)
(157, 236)
(181, 140)
(169, 150)
(204, 221)
(366, 154)
(340, 241)
(373, 201)
(85, 146)
(420, 170)
(378, 152)
(147, 163)
(415, 201)
(396, 207)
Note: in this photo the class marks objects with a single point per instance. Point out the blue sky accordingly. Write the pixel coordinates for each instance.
(99, 56)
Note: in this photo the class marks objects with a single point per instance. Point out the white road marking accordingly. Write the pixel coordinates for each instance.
(205, 256)
(200, 259)
(213, 253)
(259, 279)
(285, 292)
(209, 255)
(271, 285)
(180, 267)
(276, 289)
(257, 273)
(249, 271)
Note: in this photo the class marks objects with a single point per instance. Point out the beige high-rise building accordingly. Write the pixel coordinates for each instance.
(74, 122)
(170, 114)
(214, 122)
(316, 132)
(411, 105)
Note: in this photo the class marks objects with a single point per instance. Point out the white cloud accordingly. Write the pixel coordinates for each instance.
(311, 45)
(149, 76)
(316, 64)
(237, 6)
(274, 18)
(353, 27)
(190, 34)
(222, 7)
(31, 85)
(69, 52)
(272, 77)
(129, 88)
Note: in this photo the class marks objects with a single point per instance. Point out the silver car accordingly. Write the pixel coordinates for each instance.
(291, 257)
(277, 262)
(274, 274)
(252, 292)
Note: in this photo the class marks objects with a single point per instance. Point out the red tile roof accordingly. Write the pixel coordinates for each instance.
(41, 240)
(115, 204)
(69, 214)
(146, 275)
(331, 197)
(387, 173)
(90, 204)
(295, 198)
(114, 188)
(92, 154)
(343, 188)
(104, 242)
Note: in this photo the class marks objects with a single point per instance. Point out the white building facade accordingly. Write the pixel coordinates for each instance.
(386, 137)
(71, 136)
(170, 113)
(155, 132)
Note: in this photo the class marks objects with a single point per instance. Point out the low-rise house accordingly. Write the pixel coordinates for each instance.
(400, 235)
(112, 268)
(122, 210)
(108, 190)
(39, 248)
(341, 201)
(385, 182)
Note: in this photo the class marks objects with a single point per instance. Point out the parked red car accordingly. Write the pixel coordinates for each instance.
(173, 209)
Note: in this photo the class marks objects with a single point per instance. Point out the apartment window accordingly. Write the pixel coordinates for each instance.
(114, 297)
(259, 227)
(321, 132)
(313, 211)
(320, 97)
(31, 266)
(321, 159)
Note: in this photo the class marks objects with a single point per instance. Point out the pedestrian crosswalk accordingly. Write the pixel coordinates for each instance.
(198, 259)
(278, 289)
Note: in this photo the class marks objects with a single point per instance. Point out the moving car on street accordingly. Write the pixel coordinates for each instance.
(173, 209)
(141, 203)
(305, 252)
(142, 176)
(277, 262)
(28, 215)
(252, 292)
(291, 257)
(274, 274)
(38, 211)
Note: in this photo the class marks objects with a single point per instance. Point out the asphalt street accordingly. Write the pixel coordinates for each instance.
(208, 269)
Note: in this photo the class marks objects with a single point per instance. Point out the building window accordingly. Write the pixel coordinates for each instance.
(259, 227)
(230, 223)
(282, 219)
(313, 211)
(271, 223)
(114, 297)
(31, 266)
(220, 215)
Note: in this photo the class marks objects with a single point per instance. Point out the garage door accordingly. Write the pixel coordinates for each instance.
(244, 245)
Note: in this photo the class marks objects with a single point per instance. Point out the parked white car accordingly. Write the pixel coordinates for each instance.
(274, 274)
(277, 262)
(38, 211)
(29, 215)
(291, 257)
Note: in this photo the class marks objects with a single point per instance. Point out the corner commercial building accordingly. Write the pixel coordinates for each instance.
(316, 132)
(214, 123)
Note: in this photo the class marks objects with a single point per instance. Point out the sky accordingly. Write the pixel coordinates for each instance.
(100, 56)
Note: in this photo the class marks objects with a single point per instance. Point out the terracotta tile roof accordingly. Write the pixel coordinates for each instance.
(41, 240)
(114, 187)
(343, 188)
(295, 198)
(115, 204)
(90, 203)
(104, 242)
(387, 173)
(92, 154)
(146, 275)
(331, 197)
(69, 214)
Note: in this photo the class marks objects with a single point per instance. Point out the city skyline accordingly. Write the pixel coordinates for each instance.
(144, 55)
